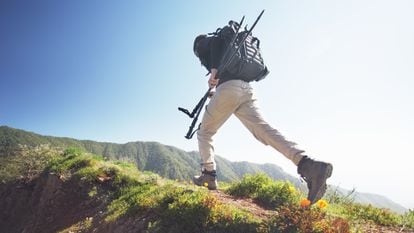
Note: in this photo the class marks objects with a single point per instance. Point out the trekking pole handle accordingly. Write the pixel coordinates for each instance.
(184, 111)
(196, 108)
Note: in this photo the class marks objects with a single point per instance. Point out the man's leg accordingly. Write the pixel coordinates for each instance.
(315, 173)
(250, 116)
(221, 106)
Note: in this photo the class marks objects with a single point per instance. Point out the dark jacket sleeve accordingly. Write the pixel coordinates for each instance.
(216, 52)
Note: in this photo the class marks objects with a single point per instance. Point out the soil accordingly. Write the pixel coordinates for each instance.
(48, 203)
(244, 203)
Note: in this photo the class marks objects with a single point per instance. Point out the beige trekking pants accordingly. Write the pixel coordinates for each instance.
(236, 97)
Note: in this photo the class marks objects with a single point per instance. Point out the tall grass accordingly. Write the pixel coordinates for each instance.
(181, 207)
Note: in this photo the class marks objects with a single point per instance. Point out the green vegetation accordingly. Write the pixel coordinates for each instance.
(284, 198)
(379, 216)
(408, 219)
(167, 161)
(89, 167)
(265, 190)
(25, 162)
(338, 216)
(178, 206)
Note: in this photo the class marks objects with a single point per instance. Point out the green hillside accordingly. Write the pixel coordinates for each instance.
(170, 162)
(46, 189)
(167, 161)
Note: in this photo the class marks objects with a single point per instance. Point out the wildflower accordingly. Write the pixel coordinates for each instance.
(292, 189)
(205, 184)
(321, 204)
(305, 203)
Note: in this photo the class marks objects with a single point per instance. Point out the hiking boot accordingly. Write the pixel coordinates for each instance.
(207, 179)
(315, 173)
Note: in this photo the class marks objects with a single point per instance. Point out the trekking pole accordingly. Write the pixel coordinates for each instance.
(200, 106)
(195, 110)
(241, 42)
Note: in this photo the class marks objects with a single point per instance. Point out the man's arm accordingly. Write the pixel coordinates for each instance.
(216, 52)
(212, 81)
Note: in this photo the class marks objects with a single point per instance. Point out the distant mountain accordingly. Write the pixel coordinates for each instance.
(370, 198)
(169, 161)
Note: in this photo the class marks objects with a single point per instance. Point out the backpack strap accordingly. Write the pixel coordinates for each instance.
(255, 39)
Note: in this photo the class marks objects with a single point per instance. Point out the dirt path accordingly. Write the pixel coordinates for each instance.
(243, 203)
(249, 205)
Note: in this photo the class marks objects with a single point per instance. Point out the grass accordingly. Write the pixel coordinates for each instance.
(337, 216)
(182, 207)
(179, 207)
(26, 162)
(264, 190)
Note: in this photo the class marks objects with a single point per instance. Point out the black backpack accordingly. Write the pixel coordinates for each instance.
(247, 63)
(241, 59)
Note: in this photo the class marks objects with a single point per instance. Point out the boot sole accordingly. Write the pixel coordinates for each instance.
(328, 173)
(202, 185)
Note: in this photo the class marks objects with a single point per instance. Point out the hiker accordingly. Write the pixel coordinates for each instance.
(235, 96)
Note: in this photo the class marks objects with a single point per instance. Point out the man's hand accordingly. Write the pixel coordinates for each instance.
(210, 95)
(213, 80)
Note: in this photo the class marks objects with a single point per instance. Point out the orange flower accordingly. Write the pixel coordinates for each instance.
(305, 203)
(321, 204)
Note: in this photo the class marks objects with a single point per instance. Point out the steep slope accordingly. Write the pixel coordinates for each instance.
(168, 161)
(72, 191)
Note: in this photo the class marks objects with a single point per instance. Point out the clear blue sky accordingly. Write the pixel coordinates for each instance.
(341, 82)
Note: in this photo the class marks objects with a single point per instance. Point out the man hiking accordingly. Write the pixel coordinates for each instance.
(234, 95)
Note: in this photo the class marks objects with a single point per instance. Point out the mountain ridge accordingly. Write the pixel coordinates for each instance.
(146, 156)
(169, 161)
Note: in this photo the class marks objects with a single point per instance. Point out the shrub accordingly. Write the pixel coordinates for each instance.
(199, 212)
(72, 151)
(250, 185)
(408, 219)
(293, 218)
(137, 198)
(264, 190)
(26, 162)
(379, 216)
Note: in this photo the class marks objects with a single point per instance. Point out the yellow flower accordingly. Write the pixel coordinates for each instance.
(205, 184)
(305, 203)
(321, 204)
(292, 189)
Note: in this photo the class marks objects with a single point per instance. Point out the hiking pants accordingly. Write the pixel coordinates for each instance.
(236, 97)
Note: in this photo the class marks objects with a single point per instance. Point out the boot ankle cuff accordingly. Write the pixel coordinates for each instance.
(211, 173)
(300, 164)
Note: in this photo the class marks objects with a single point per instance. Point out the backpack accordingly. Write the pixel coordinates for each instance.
(247, 63)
